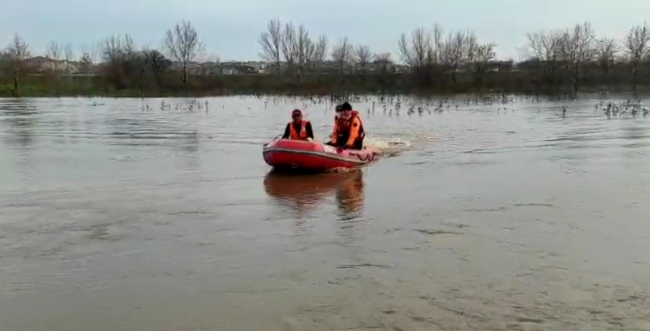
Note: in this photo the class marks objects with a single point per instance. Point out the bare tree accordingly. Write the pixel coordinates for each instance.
(362, 58)
(16, 54)
(156, 63)
(484, 54)
(88, 55)
(183, 45)
(459, 51)
(117, 54)
(146, 67)
(342, 54)
(318, 54)
(68, 52)
(382, 62)
(271, 42)
(115, 47)
(110, 48)
(546, 48)
(606, 50)
(293, 46)
(303, 49)
(416, 52)
(88, 51)
(383, 65)
(637, 46)
(54, 53)
(422, 52)
(578, 48)
(470, 48)
(289, 46)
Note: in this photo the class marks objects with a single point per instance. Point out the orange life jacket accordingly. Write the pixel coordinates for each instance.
(342, 128)
(302, 135)
(341, 122)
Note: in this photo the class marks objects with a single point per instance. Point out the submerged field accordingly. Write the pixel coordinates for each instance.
(160, 214)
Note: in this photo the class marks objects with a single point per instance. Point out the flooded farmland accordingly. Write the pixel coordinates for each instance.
(518, 214)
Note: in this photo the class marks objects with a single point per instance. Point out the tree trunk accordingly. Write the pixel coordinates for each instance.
(141, 87)
(16, 83)
(184, 78)
(576, 81)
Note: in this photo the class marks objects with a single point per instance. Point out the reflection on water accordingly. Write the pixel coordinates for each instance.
(302, 194)
(349, 197)
(20, 117)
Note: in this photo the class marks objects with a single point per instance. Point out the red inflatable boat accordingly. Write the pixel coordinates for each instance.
(314, 156)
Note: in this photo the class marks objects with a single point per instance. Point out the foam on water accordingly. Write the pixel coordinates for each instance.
(388, 146)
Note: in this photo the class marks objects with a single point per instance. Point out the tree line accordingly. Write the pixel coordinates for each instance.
(121, 65)
(427, 60)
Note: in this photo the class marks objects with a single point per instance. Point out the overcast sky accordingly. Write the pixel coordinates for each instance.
(231, 29)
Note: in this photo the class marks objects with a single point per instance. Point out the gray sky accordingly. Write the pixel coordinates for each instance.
(230, 29)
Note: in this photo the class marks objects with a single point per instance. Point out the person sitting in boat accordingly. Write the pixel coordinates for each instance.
(348, 129)
(337, 113)
(298, 128)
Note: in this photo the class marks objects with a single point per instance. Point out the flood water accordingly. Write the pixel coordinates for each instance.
(121, 215)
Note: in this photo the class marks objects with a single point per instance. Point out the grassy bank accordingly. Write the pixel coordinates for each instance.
(169, 85)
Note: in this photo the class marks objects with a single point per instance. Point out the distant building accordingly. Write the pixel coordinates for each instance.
(241, 68)
(209, 68)
(43, 64)
(501, 66)
(253, 66)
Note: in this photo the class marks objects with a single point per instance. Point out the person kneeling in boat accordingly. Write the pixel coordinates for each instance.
(298, 129)
(337, 113)
(337, 116)
(348, 130)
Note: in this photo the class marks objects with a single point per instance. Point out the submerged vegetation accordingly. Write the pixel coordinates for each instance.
(405, 105)
(429, 61)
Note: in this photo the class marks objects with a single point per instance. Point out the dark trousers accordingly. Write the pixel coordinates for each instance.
(358, 144)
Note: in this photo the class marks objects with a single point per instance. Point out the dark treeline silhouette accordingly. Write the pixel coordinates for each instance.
(429, 60)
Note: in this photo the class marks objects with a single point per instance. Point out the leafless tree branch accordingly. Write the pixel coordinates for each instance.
(342, 54)
(637, 47)
(606, 50)
(54, 53)
(183, 45)
(16, 54)
(577, 49)
(271, 42)
(363, 56)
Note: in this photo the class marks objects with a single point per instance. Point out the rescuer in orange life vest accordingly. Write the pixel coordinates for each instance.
(298, 129)
(348, 129)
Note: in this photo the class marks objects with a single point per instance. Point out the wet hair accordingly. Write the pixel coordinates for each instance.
(339, 108)
(346, 106)
(296, 112)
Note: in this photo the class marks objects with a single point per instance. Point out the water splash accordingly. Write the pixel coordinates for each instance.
(388, 146)
(386, 143)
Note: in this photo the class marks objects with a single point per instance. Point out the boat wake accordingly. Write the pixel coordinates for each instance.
(387, 147)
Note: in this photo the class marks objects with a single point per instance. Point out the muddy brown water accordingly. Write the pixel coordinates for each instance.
(119, 216)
